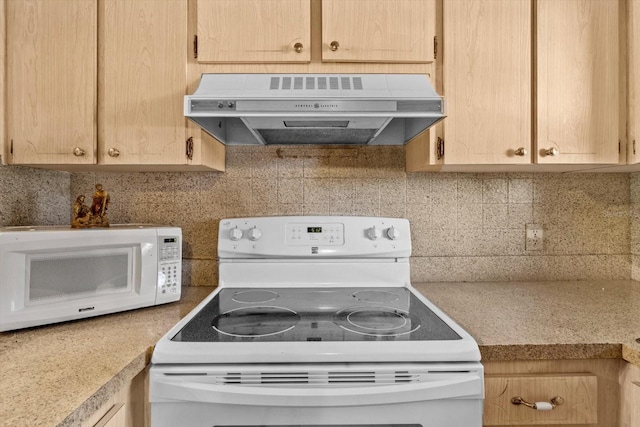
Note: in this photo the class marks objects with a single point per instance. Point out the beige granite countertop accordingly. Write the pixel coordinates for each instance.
(60, 374)
(545, 320)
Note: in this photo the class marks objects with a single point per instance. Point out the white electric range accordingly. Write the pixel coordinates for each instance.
(315, 322)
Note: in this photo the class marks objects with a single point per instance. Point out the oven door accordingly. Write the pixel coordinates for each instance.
(428, 395)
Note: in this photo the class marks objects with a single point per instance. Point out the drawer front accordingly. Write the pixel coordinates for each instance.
(579, 393)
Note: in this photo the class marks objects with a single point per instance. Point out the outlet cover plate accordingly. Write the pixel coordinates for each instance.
(534, 237)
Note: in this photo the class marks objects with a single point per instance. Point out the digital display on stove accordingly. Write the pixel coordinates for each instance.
(314, 229)
(315, 314)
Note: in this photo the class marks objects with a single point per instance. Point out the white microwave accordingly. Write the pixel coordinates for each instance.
(55, 274)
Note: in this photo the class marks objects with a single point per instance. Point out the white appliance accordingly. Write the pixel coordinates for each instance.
(315, 322)
(264, 109)
(55, 274)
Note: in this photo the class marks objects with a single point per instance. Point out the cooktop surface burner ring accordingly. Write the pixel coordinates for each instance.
(365, 313)
(376, 321)
(255, 296)
(376, 296)
(255, 321)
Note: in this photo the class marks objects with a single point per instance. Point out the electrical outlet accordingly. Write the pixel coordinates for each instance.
(534, 237)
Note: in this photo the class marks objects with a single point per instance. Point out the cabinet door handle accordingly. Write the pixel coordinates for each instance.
(334, 46)
(298, 47)
(113, 152)
(78, 152)
(539, 406)
(553, 151)
(520, 152)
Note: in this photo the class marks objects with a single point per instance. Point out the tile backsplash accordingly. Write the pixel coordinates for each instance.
(465, 226)
(33, 196)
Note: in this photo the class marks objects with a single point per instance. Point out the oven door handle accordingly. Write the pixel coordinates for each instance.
(458, 386)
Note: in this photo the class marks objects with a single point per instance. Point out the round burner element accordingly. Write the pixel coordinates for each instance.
(252, 322)
(384, 322)
(376, 320)
(255, 296)
(375, 296)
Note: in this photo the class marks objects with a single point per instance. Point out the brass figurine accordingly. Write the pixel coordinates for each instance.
(81, 213)
(96, 216)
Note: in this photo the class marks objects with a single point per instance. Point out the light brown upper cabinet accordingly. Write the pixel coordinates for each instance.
(254, 30)
(101, 83)
(51, 81)
(501, 118)
(577, 84)
(633, 153)
(142, 81)
(281, 31)
(378, 30)
(487, 82)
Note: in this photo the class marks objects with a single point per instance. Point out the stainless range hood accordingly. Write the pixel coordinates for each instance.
(264, 109)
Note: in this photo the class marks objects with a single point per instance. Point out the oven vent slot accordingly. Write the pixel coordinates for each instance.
(319, 378)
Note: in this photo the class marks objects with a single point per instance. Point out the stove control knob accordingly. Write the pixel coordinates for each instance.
(235, 234)
(393, 233)
(255, 233)
(374, 233)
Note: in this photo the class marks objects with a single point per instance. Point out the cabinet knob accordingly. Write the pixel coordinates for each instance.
(551, 152)
(113, 152)
(78, 152)
(520, 152)
(334, 46)
(539, 406)
(298, 47)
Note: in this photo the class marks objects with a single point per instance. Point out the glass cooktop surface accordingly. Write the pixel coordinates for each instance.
(315, 314)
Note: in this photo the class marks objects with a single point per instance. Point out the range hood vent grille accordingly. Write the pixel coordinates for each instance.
(344, 83)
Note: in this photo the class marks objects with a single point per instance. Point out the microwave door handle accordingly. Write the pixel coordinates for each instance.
(456, 386)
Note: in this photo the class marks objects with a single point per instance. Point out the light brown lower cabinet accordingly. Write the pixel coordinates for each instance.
(630, 395)
(115, 417)
(588, 389)
(128, 407)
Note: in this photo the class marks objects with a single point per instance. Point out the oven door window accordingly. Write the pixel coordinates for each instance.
(78, 274)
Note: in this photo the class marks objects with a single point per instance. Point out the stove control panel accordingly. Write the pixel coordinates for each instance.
(314, 236)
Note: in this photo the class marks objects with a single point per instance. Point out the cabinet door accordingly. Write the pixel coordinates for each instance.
(630, 395)
(142, 82)
(634, 82)
(254, 30)
(115, 417)
(51, 81)
(577, 81)
(378, 30)
(487, 81)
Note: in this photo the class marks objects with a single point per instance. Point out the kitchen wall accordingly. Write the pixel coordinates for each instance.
(635, 224)
(33, 196)
(466, 227)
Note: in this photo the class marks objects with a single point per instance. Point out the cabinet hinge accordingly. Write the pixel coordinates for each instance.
(189, 148)
(634, 147)
(440, 149)
(11, 148)
(435, 47)
(195, 46)
(619, 146)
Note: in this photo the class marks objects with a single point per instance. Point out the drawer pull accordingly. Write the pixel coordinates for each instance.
(539, 406)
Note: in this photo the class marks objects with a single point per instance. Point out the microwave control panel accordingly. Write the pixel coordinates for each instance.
(169, 266)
